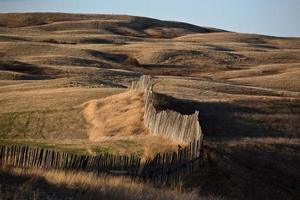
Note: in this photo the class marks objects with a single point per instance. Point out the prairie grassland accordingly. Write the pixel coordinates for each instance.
(51, 184)
(35, 110)
(245, 86)
(48, 113)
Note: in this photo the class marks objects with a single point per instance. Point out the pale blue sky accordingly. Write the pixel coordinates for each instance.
(271, 17)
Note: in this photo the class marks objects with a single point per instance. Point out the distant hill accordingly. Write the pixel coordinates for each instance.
(48, 45)
(113, 24)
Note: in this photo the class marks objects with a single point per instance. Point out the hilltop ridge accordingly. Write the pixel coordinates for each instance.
(108, 24)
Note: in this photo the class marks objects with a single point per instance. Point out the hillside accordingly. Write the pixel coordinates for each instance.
(102, 24)
(63, 76)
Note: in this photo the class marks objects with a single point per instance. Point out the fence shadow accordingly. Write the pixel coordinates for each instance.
(234, 121)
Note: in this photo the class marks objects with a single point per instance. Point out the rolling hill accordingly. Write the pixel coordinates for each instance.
(59, 72)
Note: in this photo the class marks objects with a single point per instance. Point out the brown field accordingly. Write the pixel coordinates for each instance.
(59, 72)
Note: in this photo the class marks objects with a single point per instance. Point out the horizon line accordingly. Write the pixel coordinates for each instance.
(150, 17)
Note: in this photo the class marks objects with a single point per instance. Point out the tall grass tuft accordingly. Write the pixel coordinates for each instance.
(56, 184)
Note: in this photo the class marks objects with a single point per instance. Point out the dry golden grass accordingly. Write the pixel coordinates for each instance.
(80, 56)
(283, 81)
(120, 117)
(54, 119)
(52, 184)
(76, 45)
(69, 41)
(117, 115)
(36, 109)
(244, 85)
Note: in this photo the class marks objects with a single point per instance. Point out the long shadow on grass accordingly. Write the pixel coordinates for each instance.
(254, 119)
(36, 187)
(248, 172)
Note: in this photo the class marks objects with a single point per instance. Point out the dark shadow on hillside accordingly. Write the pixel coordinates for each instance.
(248, 172)
(97, 41)
(73, 61)
(234, 120)
(7, 38)
(159, 66)
(34, 187)
(165, 69)
(117, 58)
(141, 24)
(16, 66)
(30, 71)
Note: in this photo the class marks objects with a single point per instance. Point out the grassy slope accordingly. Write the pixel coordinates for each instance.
(108, 40)
(49, 114)
(46, 112)
(247, 89)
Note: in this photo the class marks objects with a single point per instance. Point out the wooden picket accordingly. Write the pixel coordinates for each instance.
(169, 168)
(165, 168)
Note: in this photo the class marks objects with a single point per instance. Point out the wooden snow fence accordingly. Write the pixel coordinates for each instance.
(34, 157)
(167, 123)
(170, 168)
(164, 168)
